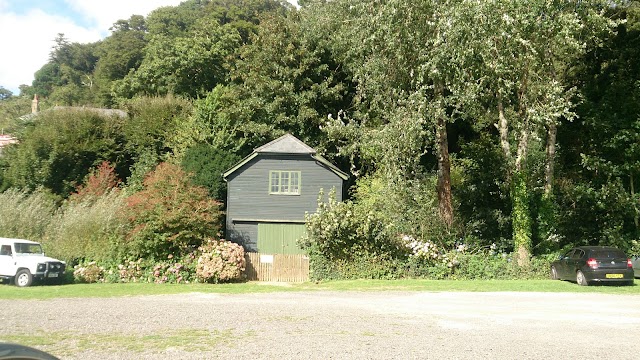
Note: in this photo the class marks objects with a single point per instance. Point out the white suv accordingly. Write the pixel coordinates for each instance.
(23, 261)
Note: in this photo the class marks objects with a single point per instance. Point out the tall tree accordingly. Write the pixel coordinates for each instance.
(119, 53)
(285, 81)
(190, 65)
(523, 50)
(404, 63)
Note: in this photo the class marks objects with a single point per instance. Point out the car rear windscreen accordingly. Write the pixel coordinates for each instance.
(608, 254)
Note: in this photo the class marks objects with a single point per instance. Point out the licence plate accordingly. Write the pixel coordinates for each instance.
(614, 276)
(56, 275)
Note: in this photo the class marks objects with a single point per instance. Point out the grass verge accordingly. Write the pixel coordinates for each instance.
(134, 289)
(67, 343)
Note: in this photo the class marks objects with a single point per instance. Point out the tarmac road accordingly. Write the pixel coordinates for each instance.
(331, 325)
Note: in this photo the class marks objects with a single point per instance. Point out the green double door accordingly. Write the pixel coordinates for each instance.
(280, 238)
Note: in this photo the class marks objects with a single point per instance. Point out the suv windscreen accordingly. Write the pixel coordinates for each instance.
(24, 248)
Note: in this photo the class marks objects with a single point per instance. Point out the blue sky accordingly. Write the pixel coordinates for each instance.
(28, 28)
(22, 8)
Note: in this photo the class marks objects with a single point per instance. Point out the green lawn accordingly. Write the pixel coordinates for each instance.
(116, 290)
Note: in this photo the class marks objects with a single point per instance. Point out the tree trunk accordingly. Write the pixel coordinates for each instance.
(444, 173)
(521, 219)
(444, 165)
(635, 203)
(551, 156)
(503, 127)
(521, 216)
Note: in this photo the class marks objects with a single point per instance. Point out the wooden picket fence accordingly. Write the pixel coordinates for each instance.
(277, 267)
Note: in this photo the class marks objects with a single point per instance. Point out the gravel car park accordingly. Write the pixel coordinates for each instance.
(329, 325)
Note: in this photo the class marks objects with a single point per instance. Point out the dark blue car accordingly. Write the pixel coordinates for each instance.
(591, 264)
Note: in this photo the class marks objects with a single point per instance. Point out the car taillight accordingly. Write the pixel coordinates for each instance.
(593, 263)
(629, 264)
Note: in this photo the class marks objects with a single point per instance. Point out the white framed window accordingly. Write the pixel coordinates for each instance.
(284, 182)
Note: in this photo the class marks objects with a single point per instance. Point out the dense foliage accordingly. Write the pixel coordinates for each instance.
(481, 137)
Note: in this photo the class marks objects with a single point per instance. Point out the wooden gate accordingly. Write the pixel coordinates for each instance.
(277, 267)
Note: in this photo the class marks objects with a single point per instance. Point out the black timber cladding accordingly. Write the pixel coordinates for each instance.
(249, 202)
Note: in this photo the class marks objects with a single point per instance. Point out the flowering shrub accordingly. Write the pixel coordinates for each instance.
(88, 273)
(342, 230)
(130, 271)
(220, 261)
(429, 254)
(168, 272)
(146, 271)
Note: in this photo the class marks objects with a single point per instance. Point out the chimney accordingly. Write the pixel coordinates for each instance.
(35, 106)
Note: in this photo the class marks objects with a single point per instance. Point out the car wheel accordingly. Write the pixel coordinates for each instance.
(554, 273)
(23, 278)
(580, 279)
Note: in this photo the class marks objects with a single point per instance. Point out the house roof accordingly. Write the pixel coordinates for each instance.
(6, 139)
(100, 111)
(287, 144)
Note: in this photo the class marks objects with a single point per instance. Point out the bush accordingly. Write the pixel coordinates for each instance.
(205, 163)
(25, 215)
(88, 273)
(365, 266)
(170, 216)
(139, 271)
(342, 231)
(500, 267)
(175, 272)
(220, 261)
(457, 264)
(87, 230)
(99, 182)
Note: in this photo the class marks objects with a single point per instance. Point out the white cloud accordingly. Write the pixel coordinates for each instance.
(28, 37)
(27, 41)
(105, 13)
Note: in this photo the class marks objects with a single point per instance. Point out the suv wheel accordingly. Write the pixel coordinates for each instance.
(23, 278)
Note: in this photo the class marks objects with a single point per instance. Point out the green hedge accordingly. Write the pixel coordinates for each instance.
(463, 267)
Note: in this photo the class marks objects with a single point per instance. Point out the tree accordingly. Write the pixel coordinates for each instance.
(189, 65)
(523, 77)
(286, 81)
(600, 159)
(59, 147)
(206, 164)
(5, 94)
(152, 124)
(119, 53)
(68, 76)
(399, 55)
(170, 216)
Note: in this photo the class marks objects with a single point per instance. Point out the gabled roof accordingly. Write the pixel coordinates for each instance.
(287, 144)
